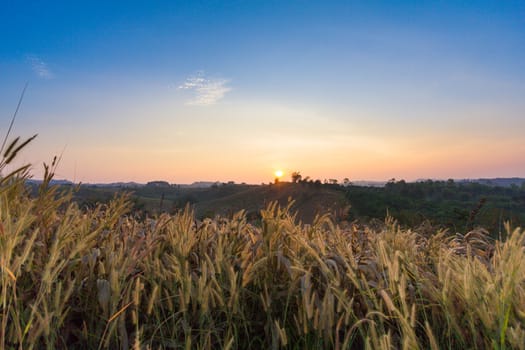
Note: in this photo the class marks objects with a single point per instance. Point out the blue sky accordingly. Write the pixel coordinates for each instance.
(232, 90)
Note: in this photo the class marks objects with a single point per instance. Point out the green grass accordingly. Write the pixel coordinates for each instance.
(99, 278)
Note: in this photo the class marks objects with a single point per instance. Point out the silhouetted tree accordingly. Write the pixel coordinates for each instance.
(296, 177)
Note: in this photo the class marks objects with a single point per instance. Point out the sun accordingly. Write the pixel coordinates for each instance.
(279, 173)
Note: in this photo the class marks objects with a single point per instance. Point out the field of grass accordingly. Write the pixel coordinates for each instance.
(99, 278)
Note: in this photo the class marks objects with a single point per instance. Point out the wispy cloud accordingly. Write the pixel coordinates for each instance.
(40, 67)
(207, 90)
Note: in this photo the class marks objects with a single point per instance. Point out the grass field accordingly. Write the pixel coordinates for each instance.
(98, 278)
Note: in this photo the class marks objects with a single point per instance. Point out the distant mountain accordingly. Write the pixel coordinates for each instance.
(52, 182)
(365, 183)
(158, 183)
(498, 181)
(130, 184)
(201, 184)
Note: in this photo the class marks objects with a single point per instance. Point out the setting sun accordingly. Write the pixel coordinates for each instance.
(278, 173)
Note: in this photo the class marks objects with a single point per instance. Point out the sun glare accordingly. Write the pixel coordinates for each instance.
(279, 173)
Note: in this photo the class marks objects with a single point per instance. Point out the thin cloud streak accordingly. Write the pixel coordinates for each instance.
(40, 67)
(208, 91)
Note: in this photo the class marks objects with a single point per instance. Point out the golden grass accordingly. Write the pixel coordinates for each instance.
(97, 278)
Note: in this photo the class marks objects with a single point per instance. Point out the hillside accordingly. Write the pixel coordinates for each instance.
(308, 201)
(225, 199)
(454, 205)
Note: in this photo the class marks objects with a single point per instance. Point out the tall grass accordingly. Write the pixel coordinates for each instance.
(98, 278)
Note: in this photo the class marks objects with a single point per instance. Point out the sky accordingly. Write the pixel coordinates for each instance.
(188, 91)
